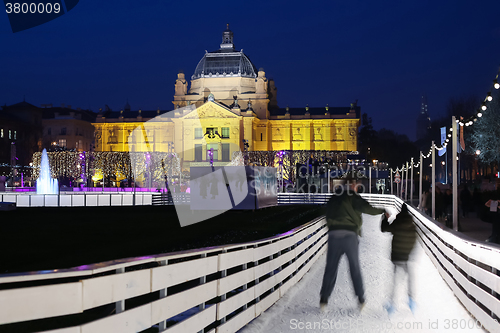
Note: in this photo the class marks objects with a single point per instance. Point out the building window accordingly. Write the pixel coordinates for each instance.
(225, 132)
(225, 152)
(10, 134)
(198, 153)
(62, 143)
(198, 133)
(260, 136)
(215, 147)
(15, 135)
(63, 131)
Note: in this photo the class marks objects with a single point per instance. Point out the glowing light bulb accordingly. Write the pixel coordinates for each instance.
(479, 114)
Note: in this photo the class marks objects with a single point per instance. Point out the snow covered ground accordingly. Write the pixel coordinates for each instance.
(438, 310)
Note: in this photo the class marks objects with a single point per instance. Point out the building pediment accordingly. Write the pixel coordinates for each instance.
(210, 110)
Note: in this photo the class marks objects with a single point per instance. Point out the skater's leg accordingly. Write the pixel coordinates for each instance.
(393, 286)
(333, 254)
(352, 252)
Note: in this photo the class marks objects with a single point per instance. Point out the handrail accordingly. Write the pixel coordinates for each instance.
(255, 274)
(242, 280)
(469, 267)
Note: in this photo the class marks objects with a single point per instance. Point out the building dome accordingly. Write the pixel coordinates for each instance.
(225, 62)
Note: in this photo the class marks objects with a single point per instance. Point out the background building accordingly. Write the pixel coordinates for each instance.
(20, 134)
(67, 128)
(228, 102)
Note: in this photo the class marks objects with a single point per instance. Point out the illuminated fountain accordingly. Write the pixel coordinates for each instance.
(45, 184)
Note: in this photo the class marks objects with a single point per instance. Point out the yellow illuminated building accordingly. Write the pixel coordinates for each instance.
(228, 101)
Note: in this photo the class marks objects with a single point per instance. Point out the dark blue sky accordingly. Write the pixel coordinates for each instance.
(383, 53)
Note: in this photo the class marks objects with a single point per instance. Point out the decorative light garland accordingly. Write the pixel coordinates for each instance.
(469, 122)
(122, 164)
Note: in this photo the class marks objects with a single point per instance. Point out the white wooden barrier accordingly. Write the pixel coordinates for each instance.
(231, 285)
(227, 286)
(469, 267)
(78, 199)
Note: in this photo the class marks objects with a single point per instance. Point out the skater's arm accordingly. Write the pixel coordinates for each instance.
(385, 226)
(361, 205)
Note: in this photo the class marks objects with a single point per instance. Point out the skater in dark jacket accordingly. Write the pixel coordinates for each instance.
(403, 241)
(343, 216)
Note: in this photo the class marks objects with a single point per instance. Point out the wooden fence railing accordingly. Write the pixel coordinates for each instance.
(217, 289)
(221, 289)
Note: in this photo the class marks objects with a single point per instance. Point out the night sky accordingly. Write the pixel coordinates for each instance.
(386, 54)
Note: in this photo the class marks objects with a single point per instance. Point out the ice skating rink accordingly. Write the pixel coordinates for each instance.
(438, 310)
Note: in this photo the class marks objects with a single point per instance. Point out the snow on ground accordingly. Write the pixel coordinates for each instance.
(438, 310)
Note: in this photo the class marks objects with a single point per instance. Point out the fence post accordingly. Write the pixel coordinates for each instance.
(120, 305)
(406, 183)
(163, 294)
(223, 274)
(433, 177)
(390, 170)
(494, 271)
(245, 286)
(420, 183)
(370, 179)
(255, 263)
(454, 171)
(203, 280)
(411, 182)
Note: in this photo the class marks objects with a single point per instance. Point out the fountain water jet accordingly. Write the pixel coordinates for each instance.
(45, 184)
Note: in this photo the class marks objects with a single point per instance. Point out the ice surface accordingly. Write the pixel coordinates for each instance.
(437, 309)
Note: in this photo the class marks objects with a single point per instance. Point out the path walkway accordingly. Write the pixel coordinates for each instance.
(438, 310)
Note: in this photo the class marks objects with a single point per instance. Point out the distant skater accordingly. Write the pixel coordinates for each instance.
(403, 242)
(343, 216)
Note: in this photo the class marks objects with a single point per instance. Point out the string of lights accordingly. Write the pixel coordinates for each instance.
(461, 122)
(121, 164)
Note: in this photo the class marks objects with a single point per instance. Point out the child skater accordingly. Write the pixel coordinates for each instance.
(403, 241)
